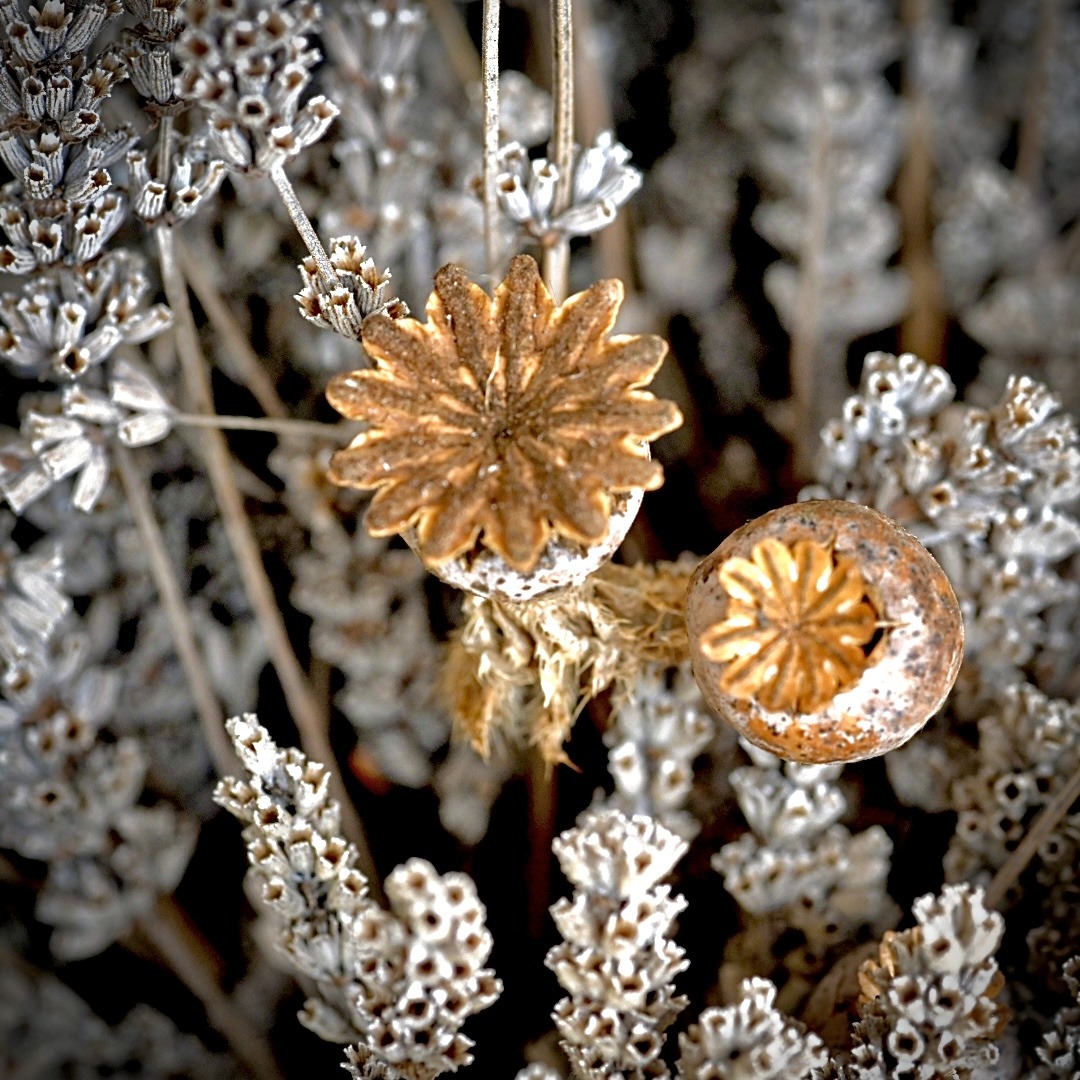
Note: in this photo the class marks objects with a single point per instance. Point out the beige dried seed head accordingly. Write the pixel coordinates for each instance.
(503, 422)
(823, 631)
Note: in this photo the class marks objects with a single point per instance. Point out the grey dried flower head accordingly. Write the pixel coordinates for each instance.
(148, 52)
(536, 1071)
(1028, 744)
(69, 319)
(799, 876)
(991, 225)
(61, 203)
(193, 179)
(51, 31)
(617, 961)
(373, 47)
(358, 291)
(654, 737)
(603, 180)
(371, 621)
(248, 66)
(70, 433)
(69, 798)
(46, 1030)
(929, 1003)
(399, 984)
(749, 1040)
(33, 602)
(1059, 1050)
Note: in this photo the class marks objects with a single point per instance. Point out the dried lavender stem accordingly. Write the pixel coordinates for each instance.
(276, 425)
(165, 134)
(806, 333)
(456, 42)
(303, 224)
(592, 105)
(176, 611)
(561, 149)
(167, 930)
(248, 363)
(923, 329)
(1040, 828)
(490, 65)
(1032, 134)
(303, 705)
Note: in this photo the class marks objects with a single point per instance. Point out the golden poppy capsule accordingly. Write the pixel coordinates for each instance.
(823, 632)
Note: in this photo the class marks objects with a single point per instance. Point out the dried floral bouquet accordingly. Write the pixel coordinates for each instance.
(410, 574)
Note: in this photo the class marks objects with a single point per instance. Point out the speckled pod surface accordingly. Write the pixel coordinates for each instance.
(562, 563)
(909, 672)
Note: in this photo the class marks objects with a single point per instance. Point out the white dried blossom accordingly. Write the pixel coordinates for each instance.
(47, 1030)
(603, 180)
(65, 321)
(468, 785)
(1028, 745)
(32, 599)
(617, 960)
(929, 1005)
(991, 226)
(357, 291)
(799, 876)
(193, 180)
(398, 983)
(536, 1071)
(70, 798)
(373, 48)
(826, 135)
(1059, 1050)
(248, 66)
(371, 621)
(749, 1040)
(654, 737)
(71, 432)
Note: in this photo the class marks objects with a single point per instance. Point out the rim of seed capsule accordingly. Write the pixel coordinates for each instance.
(909, 670)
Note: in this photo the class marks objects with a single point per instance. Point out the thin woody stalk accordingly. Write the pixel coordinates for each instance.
(806, 343)
(614, 246)
(1040, 829)
(1032, 134)
(176, 611)
(303, 704)
(248, 364)
(455, 39)
(313, 429)
(561, 149)
(303, 224)
(923, 329)
(490, 64)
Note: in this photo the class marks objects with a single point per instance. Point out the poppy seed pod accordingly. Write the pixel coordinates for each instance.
(824, 632)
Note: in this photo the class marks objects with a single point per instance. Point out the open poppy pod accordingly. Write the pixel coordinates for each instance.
(824, 632)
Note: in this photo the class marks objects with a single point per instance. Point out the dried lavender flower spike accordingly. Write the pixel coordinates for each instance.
(617, 962)
(398, 984)
(248, 66)
(929, 1004)
(749, 1040)
(359, 290)
(602, 181)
